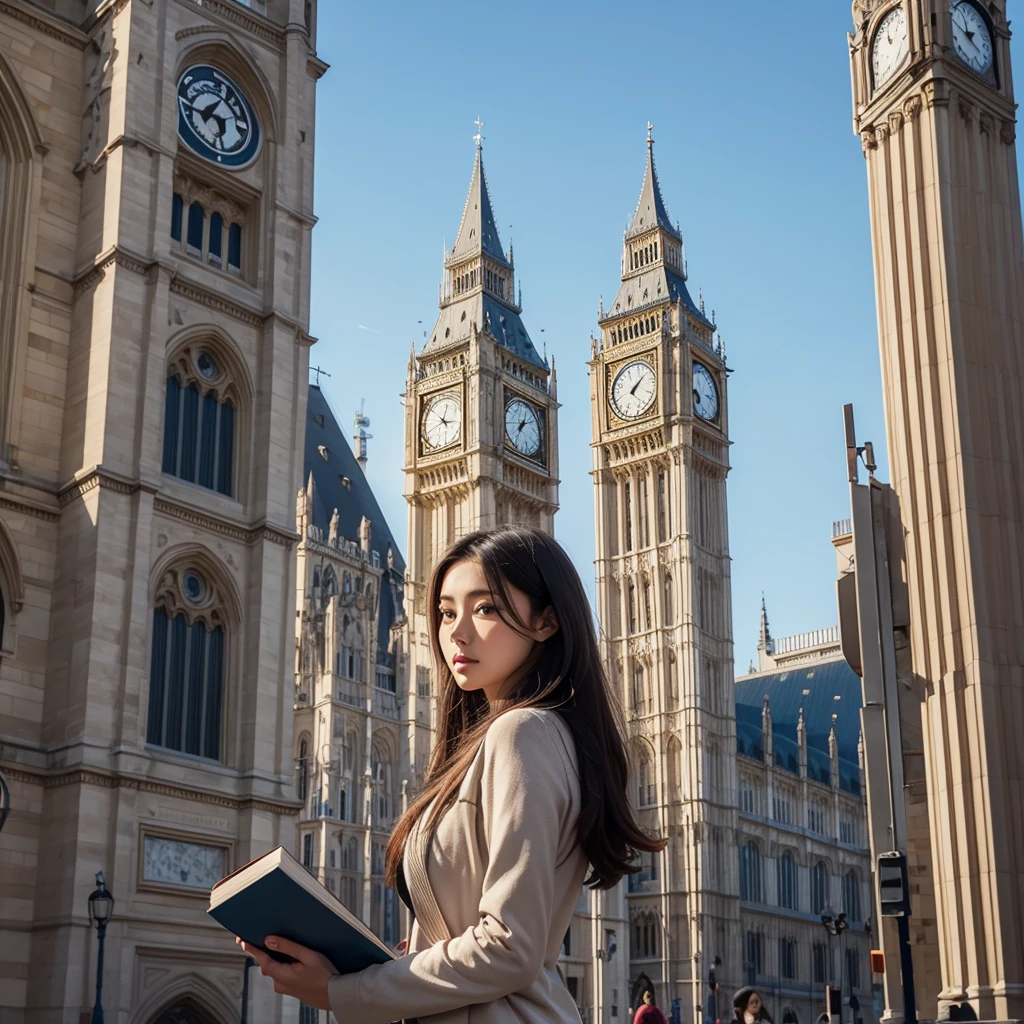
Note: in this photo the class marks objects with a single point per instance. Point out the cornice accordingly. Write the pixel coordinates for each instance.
(95, 477)
(17, 503)
(91, 275)
(215, 524)
(213, 300)
(45, 23)
(115, 780)
(260, 27)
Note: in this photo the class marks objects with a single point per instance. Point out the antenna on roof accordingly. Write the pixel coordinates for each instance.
(361, 423)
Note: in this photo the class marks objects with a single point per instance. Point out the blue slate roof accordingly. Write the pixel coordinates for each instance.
(650, 208)
(352, 502)
(825, 681)
(478, 230)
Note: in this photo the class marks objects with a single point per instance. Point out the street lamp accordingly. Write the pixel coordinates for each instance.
(101, 907)
(835, 924)
(5, 800)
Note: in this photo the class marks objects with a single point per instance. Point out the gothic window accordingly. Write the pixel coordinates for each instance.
(851, 895)
(329, 583)
(643, 516)
(669, 612)
(211, 222)
(647, 603)
(663, 526)
(349, 854)
(819, 963)
(187, 667)
(382, 782)
(638, 695)
(307, 851)
(628, 504)
(853, 968)
(753, 956)
(645, 936)
(349, 892)
(632, 608)
(303, 769)
(787, 881)
(750, 872)
(787, 958)
(199, 421)
(819, 887)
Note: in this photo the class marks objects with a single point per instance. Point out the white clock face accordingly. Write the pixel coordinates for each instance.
(634, 389)
(891, 45)
(705, 392)
(522, 427)
(971, 37)
(442, 422)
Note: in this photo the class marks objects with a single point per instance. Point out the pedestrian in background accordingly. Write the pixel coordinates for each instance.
(748, 1007)
(649, 1012)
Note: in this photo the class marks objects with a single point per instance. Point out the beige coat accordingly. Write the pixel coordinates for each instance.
(493, 892)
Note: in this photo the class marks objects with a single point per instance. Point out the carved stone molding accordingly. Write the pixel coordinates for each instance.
(911, 107)
(881, 132)
(253, 23)
(97, 478)
(212, 300)
(15, 504)
(936, 92)
(895, 122)
(966, 109)
(245, 535)
(91, 276)
(985, 123)
(112, 780)
(49, 26)
(1008, 132)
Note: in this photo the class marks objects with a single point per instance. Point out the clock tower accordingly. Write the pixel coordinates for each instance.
(481, 436)
(934, 107)
(660, 457)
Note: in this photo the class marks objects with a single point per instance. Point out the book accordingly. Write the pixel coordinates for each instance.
(276, 895)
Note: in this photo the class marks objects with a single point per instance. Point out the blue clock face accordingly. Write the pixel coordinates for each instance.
(215, 119)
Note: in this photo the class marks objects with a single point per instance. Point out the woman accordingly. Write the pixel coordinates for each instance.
(523, 803)
(748, 1008)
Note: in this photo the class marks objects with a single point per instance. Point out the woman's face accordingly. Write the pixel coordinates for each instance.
(754, 1004)
(481, 649)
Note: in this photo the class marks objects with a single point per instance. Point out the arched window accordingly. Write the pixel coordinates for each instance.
(381, 782)
(187, 667)
(303, 769)
(668, 599)
(632, 608)
(819, 887)
(851, 896)
(787, 881)
(647, 603)
(215, 250)
(199, 422)
(194, 231)
(639, 696)
(643, 780)
(750, 873)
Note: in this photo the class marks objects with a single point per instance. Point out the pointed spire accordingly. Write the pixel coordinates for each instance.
(764, 640)
(650, 210)
(478, 231)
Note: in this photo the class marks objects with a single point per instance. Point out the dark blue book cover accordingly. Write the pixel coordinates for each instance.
(270, 901)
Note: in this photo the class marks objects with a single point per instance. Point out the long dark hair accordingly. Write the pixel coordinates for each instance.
(562, 674)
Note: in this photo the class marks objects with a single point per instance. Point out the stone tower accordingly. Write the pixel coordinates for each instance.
(481, 431)
(661, 445)
(156, 213)
(934, 107)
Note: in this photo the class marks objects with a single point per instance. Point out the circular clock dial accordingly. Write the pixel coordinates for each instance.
(705, 392)
(891, 45)
(215, 119)
(522, 427)
(971, 37)
(634, 389)
(442, 422)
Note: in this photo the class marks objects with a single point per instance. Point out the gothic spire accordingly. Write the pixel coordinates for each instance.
(764, 640)
(650, 209)
(478, 231)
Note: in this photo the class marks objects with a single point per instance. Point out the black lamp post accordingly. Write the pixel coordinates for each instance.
(101, 907)
(835, 924)
(5, 800)
(249, 962)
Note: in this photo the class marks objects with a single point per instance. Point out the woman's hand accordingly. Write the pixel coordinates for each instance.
(306, 980)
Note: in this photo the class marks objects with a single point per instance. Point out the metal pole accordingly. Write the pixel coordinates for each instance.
(249, 962)
(907, 970)
(97, 1010)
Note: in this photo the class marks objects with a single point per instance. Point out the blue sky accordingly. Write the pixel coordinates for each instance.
(757, 161)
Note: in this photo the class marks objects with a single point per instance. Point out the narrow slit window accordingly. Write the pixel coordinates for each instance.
(235, 248)
(214, 256)
(177, 210)
(196, 221)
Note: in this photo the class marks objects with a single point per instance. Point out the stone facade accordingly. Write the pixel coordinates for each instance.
(934, 107)
(154, 344)
(351, 729)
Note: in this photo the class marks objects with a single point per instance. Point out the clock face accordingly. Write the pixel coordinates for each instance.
(523, 427)
(634, 389)
(971, 37)
(215, 119)
(891, 45)
(705, 392)
(442, 421)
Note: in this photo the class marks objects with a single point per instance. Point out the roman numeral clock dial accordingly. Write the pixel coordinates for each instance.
(972, 39)
(442, 421)
(523, 429)
(890, 46)
(705, 393)
(634, 389)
